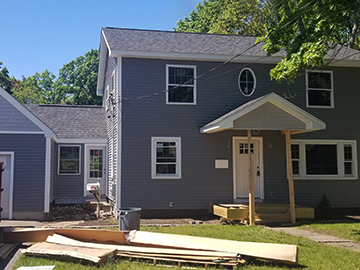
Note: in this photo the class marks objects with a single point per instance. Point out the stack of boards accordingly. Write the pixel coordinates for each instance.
(100, 246)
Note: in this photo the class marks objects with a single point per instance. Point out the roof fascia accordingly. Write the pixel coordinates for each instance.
(217, 57)
(47, 131)
(194, 56)
(82, 141)
(102, 65)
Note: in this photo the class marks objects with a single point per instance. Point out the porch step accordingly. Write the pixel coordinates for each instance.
(264, 213)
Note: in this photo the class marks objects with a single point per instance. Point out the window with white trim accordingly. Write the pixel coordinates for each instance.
(180, 84)
(319, 89)
(69, 159)
(166, 157)
(247, 82)
(324, 159)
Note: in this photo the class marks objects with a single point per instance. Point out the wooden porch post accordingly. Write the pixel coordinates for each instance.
(290, 177)
(251, 182)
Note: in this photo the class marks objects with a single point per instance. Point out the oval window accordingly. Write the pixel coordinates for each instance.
(247, 82)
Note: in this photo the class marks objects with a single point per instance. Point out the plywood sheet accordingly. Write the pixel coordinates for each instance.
(276, 252)
(87, 235)
(93, 255)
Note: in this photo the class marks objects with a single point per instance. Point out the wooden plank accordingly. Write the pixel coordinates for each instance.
(305, 213)
(87, 235)
(93, 255)
(276, 252)
(290, 177)
(235, 213)
(58, 239)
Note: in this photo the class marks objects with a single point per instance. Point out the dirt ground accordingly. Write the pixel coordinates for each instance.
(80, 215)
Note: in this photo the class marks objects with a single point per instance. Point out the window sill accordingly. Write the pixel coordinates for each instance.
(326, 178)
(166, 177)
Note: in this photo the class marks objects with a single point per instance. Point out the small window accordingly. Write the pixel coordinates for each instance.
(324, 159)
(180, 84)
(69, 160)
(166, 158)
(247, 82)
(319, 89)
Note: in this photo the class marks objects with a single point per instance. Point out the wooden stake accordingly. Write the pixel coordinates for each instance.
(290, 177)
(251, 182)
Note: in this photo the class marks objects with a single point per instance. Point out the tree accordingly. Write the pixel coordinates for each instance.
(38, 89)
(5, 80)
(245, 17)
(78, 79)
(307, 30)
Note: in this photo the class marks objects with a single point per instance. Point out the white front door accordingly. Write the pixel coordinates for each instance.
(95, 167)
(242, 167)
(6, 195)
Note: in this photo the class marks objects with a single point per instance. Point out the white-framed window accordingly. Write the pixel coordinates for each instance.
(69, 159)
(166, 157)
(180, 84)
(324, 159)
(247, 82)
(319, 89)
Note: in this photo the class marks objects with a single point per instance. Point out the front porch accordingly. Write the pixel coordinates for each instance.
(264, 212)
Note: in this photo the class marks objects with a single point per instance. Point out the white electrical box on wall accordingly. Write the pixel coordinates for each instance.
(221, 164)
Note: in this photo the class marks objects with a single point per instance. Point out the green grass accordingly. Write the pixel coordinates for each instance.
(350, 231)
(311, 255)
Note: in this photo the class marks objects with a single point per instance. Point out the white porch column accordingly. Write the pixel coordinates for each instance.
(290, 177)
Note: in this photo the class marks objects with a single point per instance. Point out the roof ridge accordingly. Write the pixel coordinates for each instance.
(175, 32)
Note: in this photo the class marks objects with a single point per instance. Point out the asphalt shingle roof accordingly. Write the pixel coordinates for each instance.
(72, 122)
(155, 41)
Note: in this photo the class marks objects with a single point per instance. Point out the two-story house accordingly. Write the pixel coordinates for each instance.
(179, 109)
(181, 113)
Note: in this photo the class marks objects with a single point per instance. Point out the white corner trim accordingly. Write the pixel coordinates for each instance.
(119, 131)
(47, 175)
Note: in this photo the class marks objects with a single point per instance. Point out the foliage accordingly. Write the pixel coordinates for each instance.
(78, 79)
(246, 17)
(5, 80)
(324, 209)
(311, 255)
(76, 84)
(38, 89)
(307, 30)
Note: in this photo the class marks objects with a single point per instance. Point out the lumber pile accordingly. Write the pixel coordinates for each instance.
(88, 246)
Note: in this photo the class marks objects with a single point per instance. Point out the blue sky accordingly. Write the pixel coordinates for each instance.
(46, 34)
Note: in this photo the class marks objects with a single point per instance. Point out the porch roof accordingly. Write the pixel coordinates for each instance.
(269, 112)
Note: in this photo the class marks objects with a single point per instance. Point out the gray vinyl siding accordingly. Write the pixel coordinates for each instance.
(53, 168)
(112, 115)
(17, 122)
(29, 170)
(217, 94)
(69, 186)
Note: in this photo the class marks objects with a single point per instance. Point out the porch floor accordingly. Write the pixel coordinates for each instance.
(264, 212)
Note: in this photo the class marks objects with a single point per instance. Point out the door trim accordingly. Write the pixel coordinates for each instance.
(12, 155)
(86, 166)
(261, 165)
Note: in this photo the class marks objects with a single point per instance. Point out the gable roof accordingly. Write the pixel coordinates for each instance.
(119, 42)
(21, 116)
(72, 122)
(269, 112)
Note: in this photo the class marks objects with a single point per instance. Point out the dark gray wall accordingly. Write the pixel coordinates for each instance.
(217, 94)
(29, 170)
